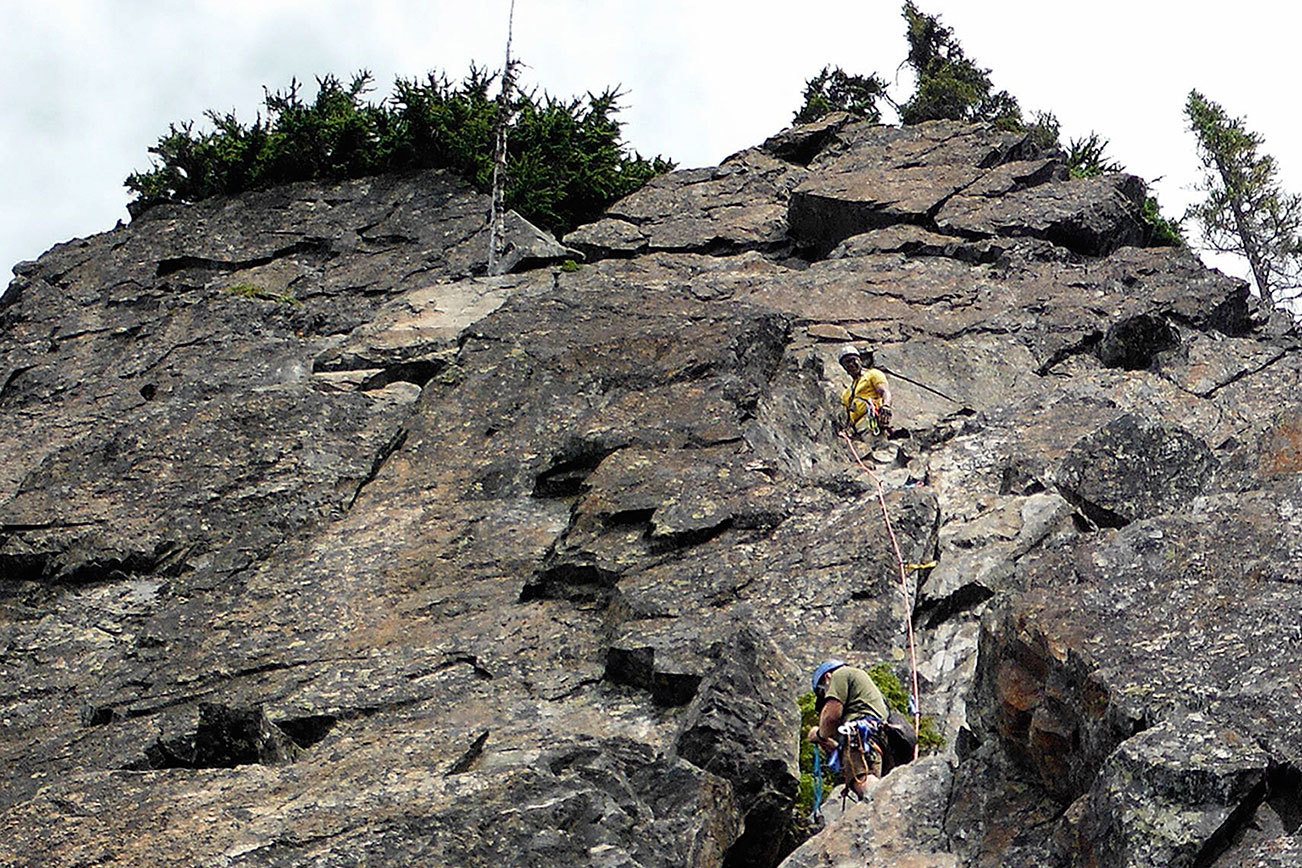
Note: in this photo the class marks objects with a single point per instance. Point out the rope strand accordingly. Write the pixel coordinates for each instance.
(904, 586)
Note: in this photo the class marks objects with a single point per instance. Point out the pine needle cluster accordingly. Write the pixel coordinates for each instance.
(567, 160)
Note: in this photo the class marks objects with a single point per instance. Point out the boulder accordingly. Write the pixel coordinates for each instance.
(738, 205)
(1135, 342)
(881, 176)
(1133, 467)
(1089, 216)
(900, 822)
(1172, 795)
(803, 142)
(526, 246)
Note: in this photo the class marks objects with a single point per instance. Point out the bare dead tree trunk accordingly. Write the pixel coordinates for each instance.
(497, 214)
(1249, 239)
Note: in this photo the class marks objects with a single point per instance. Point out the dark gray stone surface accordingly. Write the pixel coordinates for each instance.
(738, 205)
(1133, 467)
(1166, 796)
(447, 569)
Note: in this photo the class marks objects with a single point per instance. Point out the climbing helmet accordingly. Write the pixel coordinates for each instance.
(825, 667)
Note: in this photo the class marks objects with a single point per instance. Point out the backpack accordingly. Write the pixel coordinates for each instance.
(899, 741)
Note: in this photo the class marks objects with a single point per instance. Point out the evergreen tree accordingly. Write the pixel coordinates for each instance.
(567, 158)
(1246, 211)
(1087, 157)
(951, 86)
(834, 90)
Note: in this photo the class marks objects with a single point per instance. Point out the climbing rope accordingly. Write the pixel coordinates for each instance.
(914, 705)
(899, 376)
(817, 815)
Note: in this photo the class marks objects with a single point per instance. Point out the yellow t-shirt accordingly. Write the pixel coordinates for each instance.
(864, 391)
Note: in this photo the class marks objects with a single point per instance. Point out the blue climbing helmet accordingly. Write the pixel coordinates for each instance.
(823, 668)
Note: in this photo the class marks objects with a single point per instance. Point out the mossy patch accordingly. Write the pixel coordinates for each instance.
(253, 291)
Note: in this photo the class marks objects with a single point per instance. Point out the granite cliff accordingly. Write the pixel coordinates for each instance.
(318, 546)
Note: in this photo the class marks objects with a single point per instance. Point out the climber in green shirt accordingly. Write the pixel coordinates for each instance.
(847, 695)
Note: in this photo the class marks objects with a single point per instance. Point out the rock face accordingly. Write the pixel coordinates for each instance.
(1133, 467)
(900, 822)
(317, 546)
(1164, 796)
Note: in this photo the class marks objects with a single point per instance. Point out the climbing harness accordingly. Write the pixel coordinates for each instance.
(864, 728)
(904, 586)
(865, 736)
(874, 426)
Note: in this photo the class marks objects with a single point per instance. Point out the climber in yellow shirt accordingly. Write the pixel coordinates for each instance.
(867, 401)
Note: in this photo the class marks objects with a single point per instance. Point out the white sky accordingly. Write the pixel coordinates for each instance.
(88, 85)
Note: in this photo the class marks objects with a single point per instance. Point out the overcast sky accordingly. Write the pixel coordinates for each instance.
(89, 85)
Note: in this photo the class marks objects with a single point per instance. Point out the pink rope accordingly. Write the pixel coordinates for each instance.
(904, 585)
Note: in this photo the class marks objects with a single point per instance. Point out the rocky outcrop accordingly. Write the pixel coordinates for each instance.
(1093, 216)
(1167, 796)
(1134, 467)
(900, 822)
(163, 385)
(732, 731)
(738, 205)
(963, 182)
(318, 545)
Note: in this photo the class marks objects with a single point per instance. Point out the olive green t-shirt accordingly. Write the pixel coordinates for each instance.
(855, 690)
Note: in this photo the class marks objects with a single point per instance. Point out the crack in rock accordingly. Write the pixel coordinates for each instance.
(171, 265)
